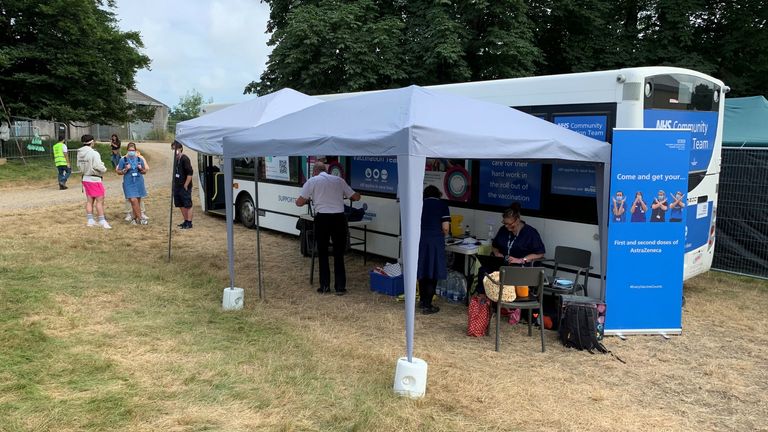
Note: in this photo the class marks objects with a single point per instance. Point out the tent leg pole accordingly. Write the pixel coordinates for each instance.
(170, 213)
(258, 227)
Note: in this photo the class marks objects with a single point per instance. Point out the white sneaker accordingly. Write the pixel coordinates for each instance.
(143, 221)
(128, 217)
(133, 222)
(105, 225)
(91, 223)
(144, 216)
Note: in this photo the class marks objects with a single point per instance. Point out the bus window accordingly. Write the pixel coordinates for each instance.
(243, 167)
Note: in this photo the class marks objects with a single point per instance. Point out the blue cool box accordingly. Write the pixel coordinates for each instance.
(392, 286)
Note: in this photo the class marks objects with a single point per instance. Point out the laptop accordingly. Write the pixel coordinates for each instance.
(490, 262)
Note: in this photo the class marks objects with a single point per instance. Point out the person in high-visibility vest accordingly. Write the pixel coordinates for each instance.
(61, 160)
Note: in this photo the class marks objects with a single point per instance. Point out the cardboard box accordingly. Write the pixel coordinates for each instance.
(391, 286)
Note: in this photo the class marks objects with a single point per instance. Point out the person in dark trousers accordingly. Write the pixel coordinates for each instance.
(435, 223)
(61, 159)
(114, 147)
(328, 193)
(182, 184)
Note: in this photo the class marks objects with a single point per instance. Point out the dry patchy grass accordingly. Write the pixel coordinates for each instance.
(146, 339)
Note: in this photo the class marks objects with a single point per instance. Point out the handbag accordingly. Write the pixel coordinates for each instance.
(478, 315)
(491, 285)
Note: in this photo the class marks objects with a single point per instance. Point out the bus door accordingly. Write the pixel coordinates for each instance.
(212, 182)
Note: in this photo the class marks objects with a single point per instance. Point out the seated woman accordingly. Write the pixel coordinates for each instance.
(516, 242)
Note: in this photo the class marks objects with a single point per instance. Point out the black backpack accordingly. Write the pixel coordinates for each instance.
(578, 328)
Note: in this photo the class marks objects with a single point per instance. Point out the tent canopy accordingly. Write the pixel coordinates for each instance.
(745, 120)
(415, 121)
(205, 133)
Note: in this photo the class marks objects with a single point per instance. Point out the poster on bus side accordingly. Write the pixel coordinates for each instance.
(277, 168)
(573, 179)
(503, 182)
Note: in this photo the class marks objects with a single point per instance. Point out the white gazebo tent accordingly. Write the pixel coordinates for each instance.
(413, 124)
(205, 134)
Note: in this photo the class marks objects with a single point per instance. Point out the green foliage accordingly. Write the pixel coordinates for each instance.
(327, 46)
(67, 60)
(42, 168)
(157, 135)
(188, 107)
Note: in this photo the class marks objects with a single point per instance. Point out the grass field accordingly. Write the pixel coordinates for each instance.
(39, 169)
(98, 332)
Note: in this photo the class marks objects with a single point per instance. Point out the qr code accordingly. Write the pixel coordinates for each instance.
(283, 167)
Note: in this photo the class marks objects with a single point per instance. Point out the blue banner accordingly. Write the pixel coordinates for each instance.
(646, 232)
(578, 180)
(503, 182)
(373, 174)
(703, 125)
(593, 126)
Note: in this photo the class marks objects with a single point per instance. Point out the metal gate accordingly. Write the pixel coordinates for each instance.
(742, 213)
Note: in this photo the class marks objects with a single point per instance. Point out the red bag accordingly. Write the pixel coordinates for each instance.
(479, 315)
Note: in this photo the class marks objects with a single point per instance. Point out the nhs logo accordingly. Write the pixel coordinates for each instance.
(663, 124)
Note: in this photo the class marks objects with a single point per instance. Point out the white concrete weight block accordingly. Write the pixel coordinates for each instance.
(411, 378)
(233, 299)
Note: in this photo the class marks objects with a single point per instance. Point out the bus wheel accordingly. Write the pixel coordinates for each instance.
(246, 212)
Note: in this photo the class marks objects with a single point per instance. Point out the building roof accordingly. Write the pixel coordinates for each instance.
(140, 98)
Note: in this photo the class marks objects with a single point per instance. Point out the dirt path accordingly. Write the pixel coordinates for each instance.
(159, 159)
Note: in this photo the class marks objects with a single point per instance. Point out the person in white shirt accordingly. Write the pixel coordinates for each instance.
(327, 193)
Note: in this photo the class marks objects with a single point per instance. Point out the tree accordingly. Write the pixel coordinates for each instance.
(327, 46)
(67, 60)
(727, 39)
(188, 107)
(734, 35)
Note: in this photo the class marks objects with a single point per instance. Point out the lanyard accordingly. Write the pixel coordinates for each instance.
(510, 242)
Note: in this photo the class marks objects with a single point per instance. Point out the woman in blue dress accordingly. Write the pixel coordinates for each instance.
(133, 167)
(435, 223)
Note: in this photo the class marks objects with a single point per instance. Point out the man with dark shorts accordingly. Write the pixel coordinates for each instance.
(327, 193)
(182, 184)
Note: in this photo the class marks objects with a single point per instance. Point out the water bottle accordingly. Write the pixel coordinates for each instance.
(490, 233)
(466, 231)
(454, 294)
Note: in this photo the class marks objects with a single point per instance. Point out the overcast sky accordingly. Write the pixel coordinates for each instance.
(216, 47)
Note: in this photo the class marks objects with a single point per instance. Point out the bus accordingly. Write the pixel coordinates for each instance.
(557, 199)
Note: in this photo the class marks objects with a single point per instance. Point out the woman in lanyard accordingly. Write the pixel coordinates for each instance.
(516, 242)
(133, 167)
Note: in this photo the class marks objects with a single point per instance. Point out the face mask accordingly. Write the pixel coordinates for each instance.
(679, 196)
(619, 198)
(660, 197)
(131, 153)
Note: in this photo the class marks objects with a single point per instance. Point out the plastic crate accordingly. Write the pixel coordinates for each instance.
(391, 286)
